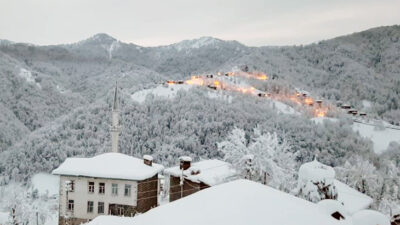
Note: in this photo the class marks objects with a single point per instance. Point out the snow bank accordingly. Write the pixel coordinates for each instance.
(46, 183)
(380, 138)
(352, 200)
(109, 165)
(235, 203)
(211, 172)
(169, 91)
(370, 217)
(111, 220)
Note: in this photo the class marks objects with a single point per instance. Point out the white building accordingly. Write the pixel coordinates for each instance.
(107, 184)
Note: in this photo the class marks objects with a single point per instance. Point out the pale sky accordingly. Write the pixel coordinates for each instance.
(152, 23)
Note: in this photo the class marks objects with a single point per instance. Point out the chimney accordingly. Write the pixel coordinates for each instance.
(185, 162)
(148, 160)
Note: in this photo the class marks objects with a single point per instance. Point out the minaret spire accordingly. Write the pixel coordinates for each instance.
(115, 127)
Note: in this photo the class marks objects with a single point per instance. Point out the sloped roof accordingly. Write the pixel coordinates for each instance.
(108, 165)
(352, 199)
(370, 217)
(235, 203)
(211, 172)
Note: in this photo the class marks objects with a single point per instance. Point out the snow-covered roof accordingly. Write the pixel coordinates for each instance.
(185, 158)
(370, 217)
(315, 171)
(352, 199)
(211, 172)
(108, 165)
(235, 203)
(148, 157)
(330, 206)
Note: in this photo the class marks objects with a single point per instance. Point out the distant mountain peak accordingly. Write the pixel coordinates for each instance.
(200, 42)
(100, 38)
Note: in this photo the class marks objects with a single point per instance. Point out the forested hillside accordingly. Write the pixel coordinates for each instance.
(55, 102)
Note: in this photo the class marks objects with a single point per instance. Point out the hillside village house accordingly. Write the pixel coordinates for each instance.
(187, 179)
(107, 184)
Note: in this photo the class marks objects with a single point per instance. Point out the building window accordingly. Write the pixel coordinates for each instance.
(91, 187)
(71, 205)
(100, 208)
(69, 185)
(102, 187)
(114, 189)
(89, 206)
(127, 190)
(72, 186)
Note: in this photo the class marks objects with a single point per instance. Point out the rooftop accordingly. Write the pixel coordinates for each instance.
(108, 165)
(211, 172)
(351, 199)
(235, 203)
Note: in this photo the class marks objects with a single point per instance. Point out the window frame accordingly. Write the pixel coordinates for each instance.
(98, 207)
(91, 187)
(72, 186)
(90, 207)
(130, 190)
(102, 188)
(70, 205)
(114, 189)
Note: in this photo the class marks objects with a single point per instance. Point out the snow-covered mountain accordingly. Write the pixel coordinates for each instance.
(59, 105)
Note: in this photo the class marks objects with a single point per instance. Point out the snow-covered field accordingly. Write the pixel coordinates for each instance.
(169, 91)
(380, 138)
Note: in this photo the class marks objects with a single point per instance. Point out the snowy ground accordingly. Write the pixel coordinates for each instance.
(380, 138)
(27, 201)
(169, 91)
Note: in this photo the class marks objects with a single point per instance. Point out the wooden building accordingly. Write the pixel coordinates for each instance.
(189, 178)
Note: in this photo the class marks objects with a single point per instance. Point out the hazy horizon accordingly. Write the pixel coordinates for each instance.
(155, 23)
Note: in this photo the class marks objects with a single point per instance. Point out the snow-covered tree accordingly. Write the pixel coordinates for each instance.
(265, 158)
(315, 182)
